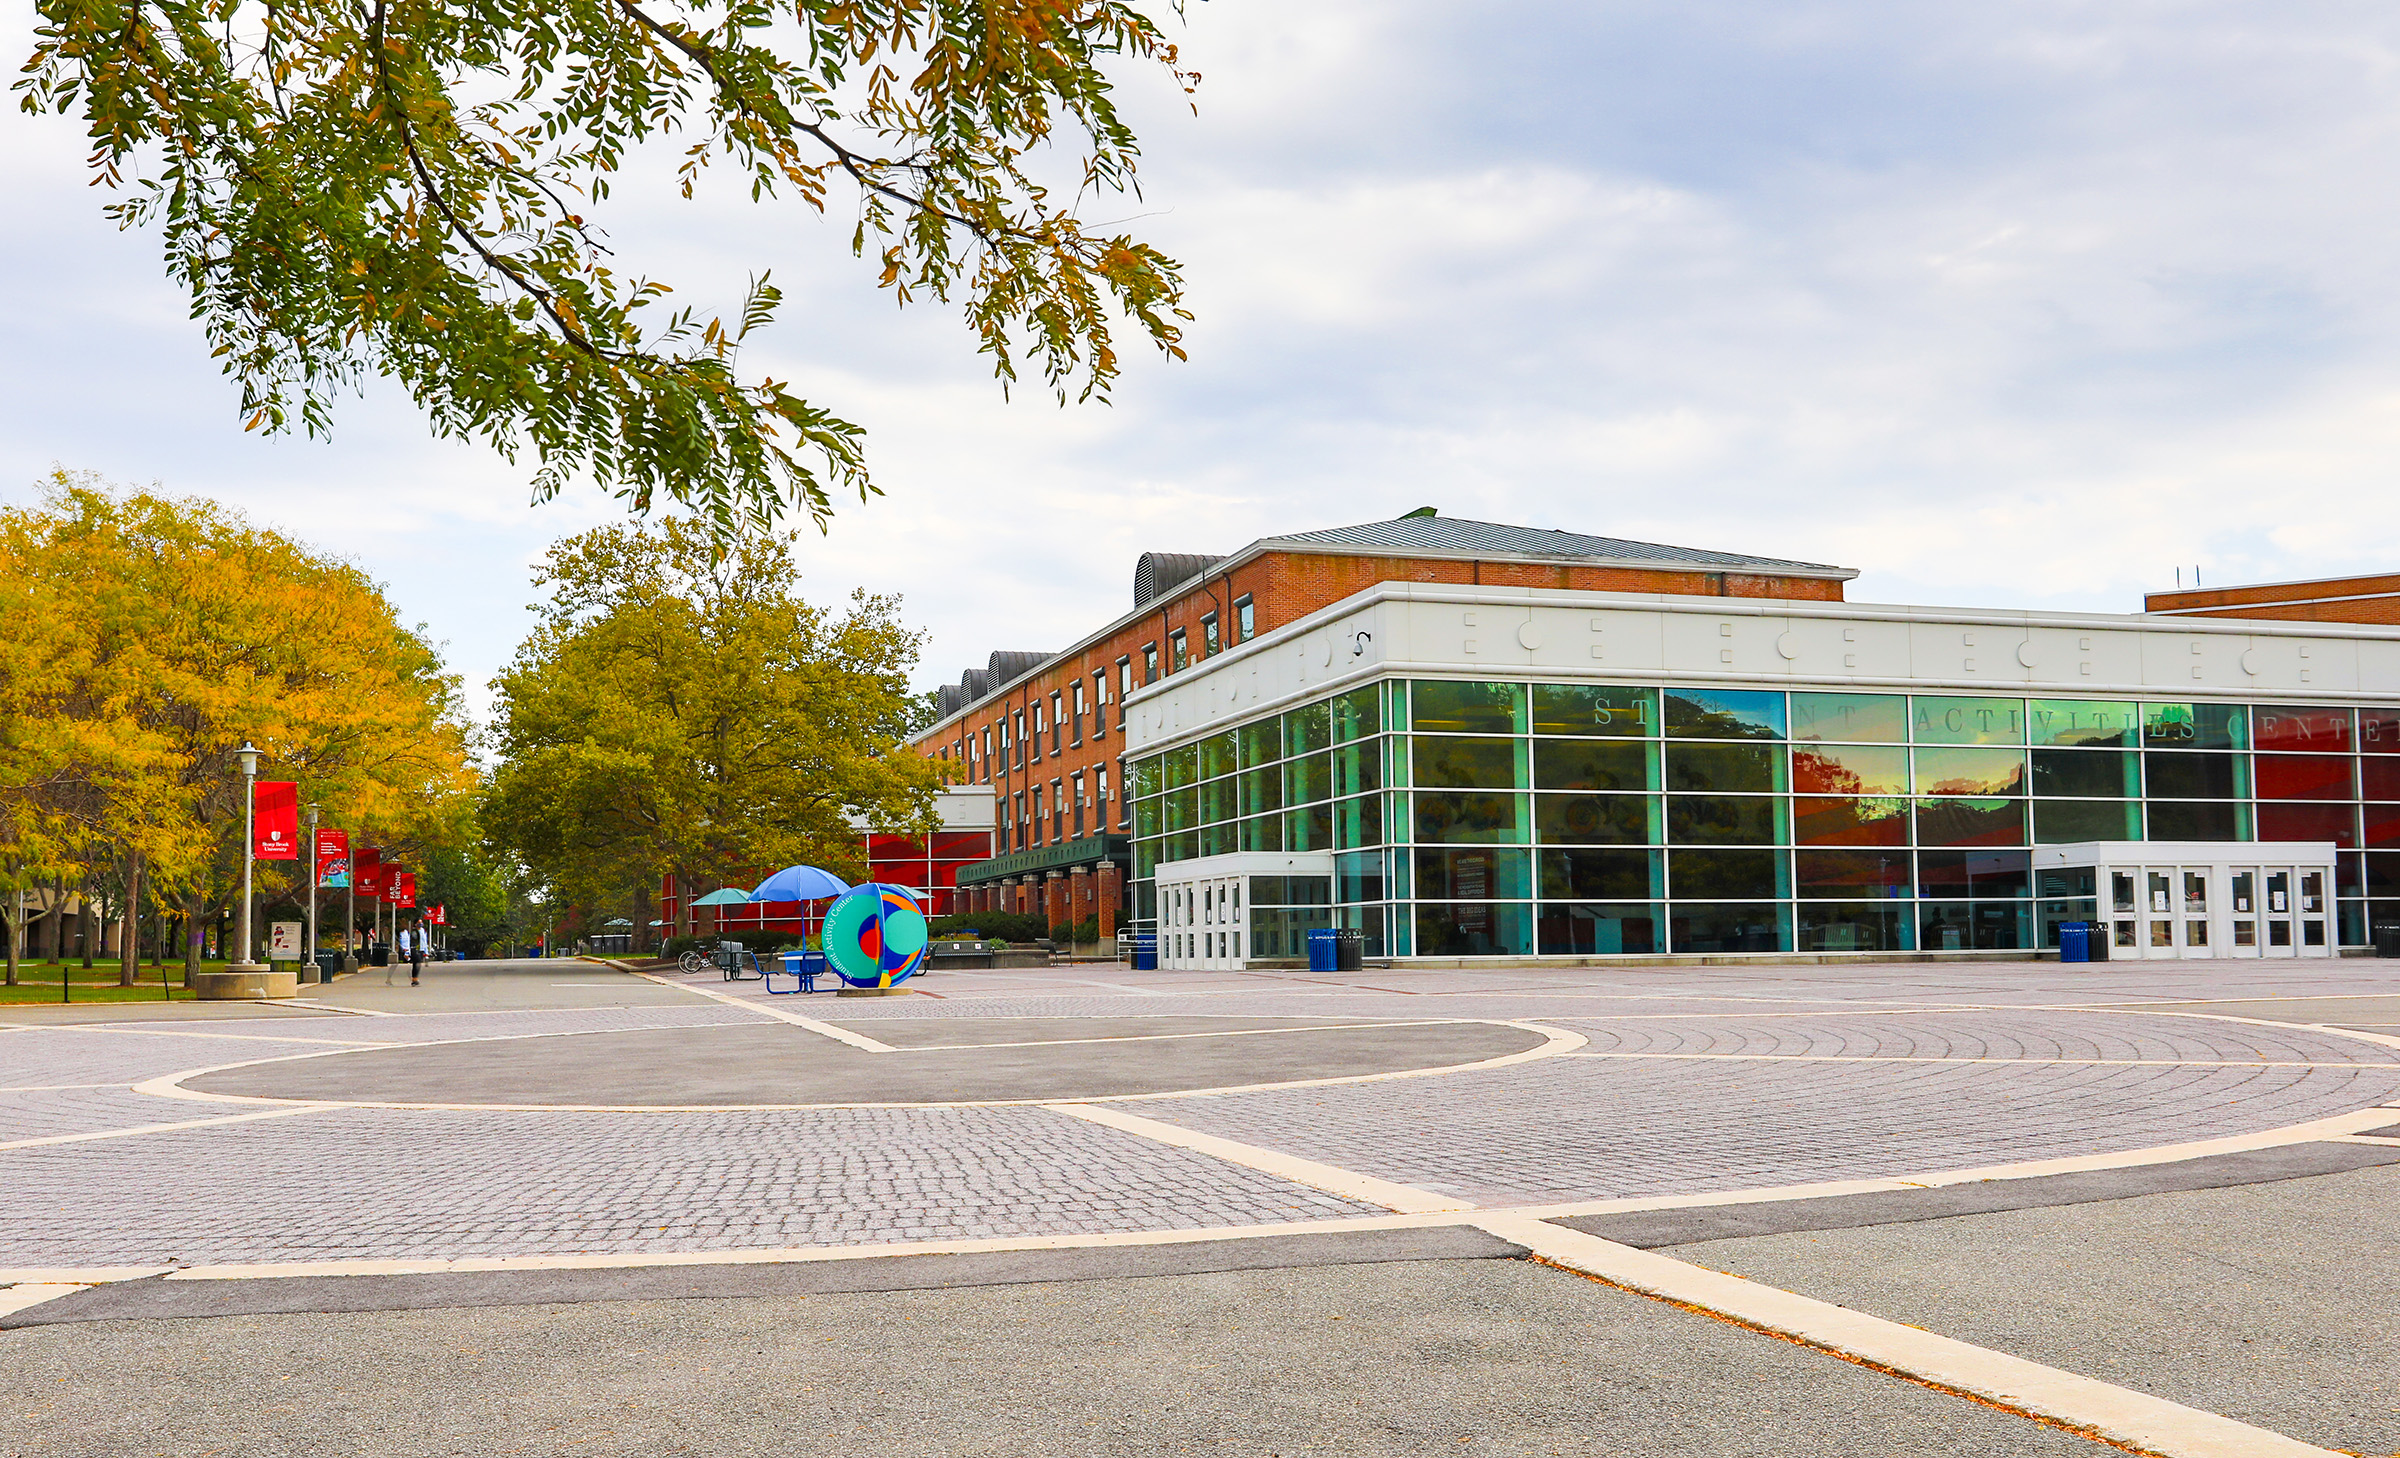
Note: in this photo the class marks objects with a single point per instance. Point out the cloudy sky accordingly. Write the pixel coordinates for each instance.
(2022, 305)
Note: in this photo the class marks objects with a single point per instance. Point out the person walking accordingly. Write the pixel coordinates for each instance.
(416, 953)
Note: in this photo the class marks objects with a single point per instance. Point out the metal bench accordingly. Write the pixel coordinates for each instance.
(804, 968)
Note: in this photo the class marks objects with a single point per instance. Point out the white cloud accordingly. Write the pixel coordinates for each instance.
(2004, 305)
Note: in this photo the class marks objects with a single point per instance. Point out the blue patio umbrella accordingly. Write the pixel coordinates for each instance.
(800, 883)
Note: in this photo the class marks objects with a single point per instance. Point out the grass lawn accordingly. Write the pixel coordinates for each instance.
(40, 983)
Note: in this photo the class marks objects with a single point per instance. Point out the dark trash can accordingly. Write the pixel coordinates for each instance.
(2387, 939)
(2074, 941)
(329, 965)
(383, 954)
(1349, 950)
(1323, 952)
(1145, 953)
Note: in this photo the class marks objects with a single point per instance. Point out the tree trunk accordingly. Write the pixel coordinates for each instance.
(195, 908)
(16, 927)
(85, 923)
(129, 928)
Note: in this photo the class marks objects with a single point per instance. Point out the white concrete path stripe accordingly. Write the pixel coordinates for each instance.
(151, 1030)
(1407, 1199)
(2115, 1414)
(859, 1041)
(1925, 1058)
(14, 1299)
(164, 1128)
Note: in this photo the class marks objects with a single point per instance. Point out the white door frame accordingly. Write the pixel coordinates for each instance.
(1204, 905)
(2183, 901)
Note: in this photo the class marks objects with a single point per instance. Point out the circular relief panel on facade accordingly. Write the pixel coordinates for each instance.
(1788, 646)
(2249, 660)
(1325, 653)
(2026, 654)
(1529, 635)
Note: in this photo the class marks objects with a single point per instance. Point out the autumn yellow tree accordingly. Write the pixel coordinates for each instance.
(680, 713)
(193, 631)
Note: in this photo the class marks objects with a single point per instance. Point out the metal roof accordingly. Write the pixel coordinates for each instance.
(1450, 534)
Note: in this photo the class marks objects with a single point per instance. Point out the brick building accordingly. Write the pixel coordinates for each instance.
(2372, 599)
(1046, 731)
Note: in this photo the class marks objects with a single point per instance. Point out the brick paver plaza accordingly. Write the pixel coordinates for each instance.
(553, 1120)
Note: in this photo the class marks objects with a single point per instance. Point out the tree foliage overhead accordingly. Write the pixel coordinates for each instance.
(409, 187)
(680, 713)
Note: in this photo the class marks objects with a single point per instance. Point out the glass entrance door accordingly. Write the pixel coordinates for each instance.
(2241, 907)
(2279, 913)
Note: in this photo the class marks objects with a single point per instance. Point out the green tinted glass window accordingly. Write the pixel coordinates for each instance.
(2087, 772)
(1725, 768)
(1308, 779)
(1307, 728)
(1484, 874)
(1849, 769)
(1466, 764)
(1262, 741)
(1968, 721)
(1724, 875)
(1724, 820)
(1263, 833)
(1589, 764)
(2081, 723)
(2056, 822)
(1594, 710)
(1463, 817)
(1725, 714)
(1182, 766)
(1596, 819)
(1851, 718)
(1309, 829)
(1970, 771)
(1468, 708)
(1146, 777)
(1600, 875)
(1357, 768)
(1262, 790)
(1179, 809)
(1216, 755)
(1218, 802)
(1357, 714)
(1358, 821)
(2195, 726)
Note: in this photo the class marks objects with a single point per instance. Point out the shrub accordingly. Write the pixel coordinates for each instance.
(1012, 926)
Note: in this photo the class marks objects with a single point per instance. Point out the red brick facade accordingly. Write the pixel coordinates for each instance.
(2373, 599)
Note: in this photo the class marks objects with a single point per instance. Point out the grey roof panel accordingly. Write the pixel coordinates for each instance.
(1456, 534)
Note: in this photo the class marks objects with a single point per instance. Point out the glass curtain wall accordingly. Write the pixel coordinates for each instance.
(1508, 819)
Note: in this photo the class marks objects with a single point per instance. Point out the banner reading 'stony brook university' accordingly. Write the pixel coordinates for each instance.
(277, 827)
(333, 858)
(366, 870)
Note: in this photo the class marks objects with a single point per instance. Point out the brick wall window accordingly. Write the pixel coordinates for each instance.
(1037, 814)
(1079, 803)
(1055, 717)
(1018, 839)
(1149, 663)
(1099, 704)
(1245, 620)
(1124, 802)
(1100, 798)
(1179, 652)
(1034, 751)
(1058, 811)
(1075, 725)
(1014, 728)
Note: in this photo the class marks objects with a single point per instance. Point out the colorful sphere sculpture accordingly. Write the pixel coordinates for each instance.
(874, 935)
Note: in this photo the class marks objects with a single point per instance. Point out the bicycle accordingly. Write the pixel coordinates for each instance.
(692, 963)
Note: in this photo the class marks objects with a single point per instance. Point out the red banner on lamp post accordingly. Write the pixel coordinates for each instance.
(366, 866)
(333, 858)
(404, 888)
(440, 915)
(275, 812)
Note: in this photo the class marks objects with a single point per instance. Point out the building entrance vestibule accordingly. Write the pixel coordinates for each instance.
(1219, 913)
(2160, 899)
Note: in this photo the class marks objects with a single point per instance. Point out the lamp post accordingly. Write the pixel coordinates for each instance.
(248, 754)
(308, 969)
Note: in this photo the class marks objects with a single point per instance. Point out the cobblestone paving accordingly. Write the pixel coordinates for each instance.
(1753, 1091)
(378, 1183)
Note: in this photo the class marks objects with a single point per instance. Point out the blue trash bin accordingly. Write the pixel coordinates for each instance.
(1145, 953)
(1324, 953)
(2074, 941)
